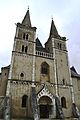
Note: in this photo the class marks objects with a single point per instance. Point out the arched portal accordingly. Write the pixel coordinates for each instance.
(45, 107)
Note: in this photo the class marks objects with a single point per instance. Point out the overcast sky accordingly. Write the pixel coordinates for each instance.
(65, 13)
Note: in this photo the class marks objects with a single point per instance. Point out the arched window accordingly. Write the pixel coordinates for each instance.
(63, 102)
(27, 37)
(24, 36)
(26, 49)
(44, 68)
(60, 46)
(24, 100)
(22, 48)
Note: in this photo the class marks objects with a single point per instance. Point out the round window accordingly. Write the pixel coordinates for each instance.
(22, 75)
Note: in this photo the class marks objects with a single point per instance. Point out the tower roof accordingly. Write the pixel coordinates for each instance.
(74, 72)
(53, 30)
(26, 21)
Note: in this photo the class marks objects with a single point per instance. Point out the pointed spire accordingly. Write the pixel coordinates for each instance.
(53, 30)
(26, 21)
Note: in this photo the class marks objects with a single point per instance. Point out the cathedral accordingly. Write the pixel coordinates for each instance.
(39, 83)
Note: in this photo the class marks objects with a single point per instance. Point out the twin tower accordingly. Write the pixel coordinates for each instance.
(39, 84)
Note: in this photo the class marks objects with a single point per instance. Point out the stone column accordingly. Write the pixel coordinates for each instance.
(53, 109)
(34, 99)
(7, 105)
(55, 67)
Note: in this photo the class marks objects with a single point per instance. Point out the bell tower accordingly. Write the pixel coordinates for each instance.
(57, 45)
(23, 48)
(24, 37)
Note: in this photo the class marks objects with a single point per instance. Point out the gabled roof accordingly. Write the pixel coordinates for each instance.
(38, 43)
(26, 21)
(44, 91)
(6, 67)
(74, 72)
(39, 46)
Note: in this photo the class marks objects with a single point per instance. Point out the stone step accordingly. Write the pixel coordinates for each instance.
(19, 119)
(44, 119)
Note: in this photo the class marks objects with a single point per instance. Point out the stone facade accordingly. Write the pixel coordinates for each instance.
(39, 82)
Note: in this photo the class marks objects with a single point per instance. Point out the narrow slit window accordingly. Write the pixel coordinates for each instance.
(63, 81)
(63, 102)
